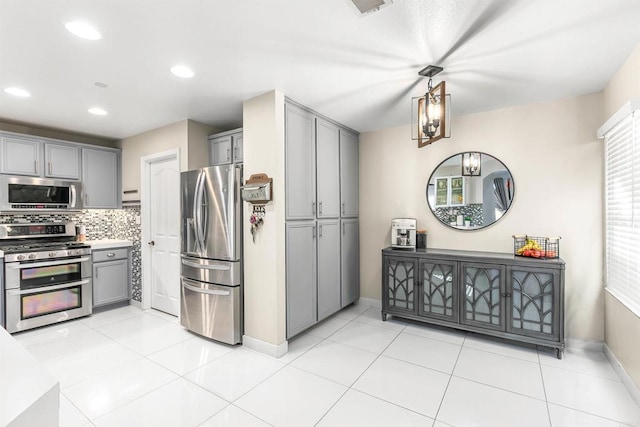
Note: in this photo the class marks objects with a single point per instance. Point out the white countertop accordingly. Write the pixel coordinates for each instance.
(23, 381)
(109, 243)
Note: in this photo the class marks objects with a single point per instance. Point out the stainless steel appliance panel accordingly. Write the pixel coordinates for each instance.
(226, 273)
(211, 310)
(15, 277)
(211, 212)
(31, 308)
(25, 194)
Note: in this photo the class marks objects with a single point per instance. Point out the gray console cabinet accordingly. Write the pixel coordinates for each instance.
(111, 276)
(496, 294)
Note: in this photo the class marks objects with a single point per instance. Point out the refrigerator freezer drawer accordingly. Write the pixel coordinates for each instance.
(211, 271)
(212, 311)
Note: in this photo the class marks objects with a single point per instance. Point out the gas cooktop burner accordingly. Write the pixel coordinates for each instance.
(36, 246)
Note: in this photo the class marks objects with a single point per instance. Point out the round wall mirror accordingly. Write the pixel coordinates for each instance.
(471, 190)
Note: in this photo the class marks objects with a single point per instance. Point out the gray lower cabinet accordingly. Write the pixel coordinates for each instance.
(302, 302)
(111, 277)
(329, 291)
(350, 261)
(496, 294)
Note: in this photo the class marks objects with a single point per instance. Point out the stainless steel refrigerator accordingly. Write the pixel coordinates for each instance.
(211, 302)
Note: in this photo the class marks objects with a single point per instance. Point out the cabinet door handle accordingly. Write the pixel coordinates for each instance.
(320, 231)
(111, 254)
(35, 166)
(320, 208)
(235, 152)
(314, 232)
(343, 207)
(86, 199)
(313, 208)
(228, 154)
(344, 230)
(50, 168)
(152, 243)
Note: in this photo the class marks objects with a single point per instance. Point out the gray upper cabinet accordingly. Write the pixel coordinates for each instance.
(20, 156)
(328, 169)
(225, 147)
(350, 271)
(221, 150)
(61, 161)
(301, 271)
(329, 290)
(101, 178)
(300, 179)
(237, 147)
(348, 174)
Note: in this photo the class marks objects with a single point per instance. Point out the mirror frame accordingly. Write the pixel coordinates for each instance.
(431, 177)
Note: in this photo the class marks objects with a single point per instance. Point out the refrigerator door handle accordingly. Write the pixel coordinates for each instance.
(197, 213)
(204, 291)
(206, 266)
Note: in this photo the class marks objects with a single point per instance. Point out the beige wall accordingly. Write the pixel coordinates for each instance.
(558, 182)
(29, 129)
(198, 148)
(624, 85)
(621, 324)
(264, 269)
(151, 142)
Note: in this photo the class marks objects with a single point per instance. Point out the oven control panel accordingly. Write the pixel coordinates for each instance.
(15, 231)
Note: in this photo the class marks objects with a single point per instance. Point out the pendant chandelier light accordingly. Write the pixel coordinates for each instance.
(430, 115)
(471, 164)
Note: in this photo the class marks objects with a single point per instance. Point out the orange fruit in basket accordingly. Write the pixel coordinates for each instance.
(552, 254)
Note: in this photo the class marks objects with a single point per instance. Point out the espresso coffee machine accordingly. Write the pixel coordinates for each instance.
(403, 233)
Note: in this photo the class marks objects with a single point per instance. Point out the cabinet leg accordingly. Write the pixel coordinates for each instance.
(384, 316)
(559, 353)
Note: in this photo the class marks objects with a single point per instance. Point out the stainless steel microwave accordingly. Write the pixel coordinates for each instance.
(26, 194)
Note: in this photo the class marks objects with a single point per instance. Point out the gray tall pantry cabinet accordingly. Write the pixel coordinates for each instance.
(322, 261)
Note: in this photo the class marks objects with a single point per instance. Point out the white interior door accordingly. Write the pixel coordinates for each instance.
(164, 233)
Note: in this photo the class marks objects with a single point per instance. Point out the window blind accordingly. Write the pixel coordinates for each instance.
(622, 198)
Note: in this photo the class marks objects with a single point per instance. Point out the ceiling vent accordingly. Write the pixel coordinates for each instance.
(365, 7)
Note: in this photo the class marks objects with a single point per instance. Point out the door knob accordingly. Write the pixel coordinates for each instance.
(152, 243)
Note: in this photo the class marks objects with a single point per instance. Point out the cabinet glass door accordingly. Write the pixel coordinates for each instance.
(438, 299)
(534, 310)
(482, 296)
(400, 290)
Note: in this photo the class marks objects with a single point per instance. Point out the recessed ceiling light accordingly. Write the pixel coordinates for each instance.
(101, 85)
(97, 111)
(182, 71)
(16, 91)
(83, 30)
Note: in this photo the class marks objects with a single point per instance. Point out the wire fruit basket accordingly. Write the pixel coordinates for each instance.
(536, 247)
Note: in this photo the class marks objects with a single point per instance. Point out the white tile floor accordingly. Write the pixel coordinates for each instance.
(128, 367)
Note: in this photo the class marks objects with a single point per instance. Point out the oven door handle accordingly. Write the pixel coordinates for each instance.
(19, 266)
(47, 288)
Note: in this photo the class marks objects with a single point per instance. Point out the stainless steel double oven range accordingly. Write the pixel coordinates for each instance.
(47, 275)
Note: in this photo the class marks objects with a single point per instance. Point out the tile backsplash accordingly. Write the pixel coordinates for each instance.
(121, 224)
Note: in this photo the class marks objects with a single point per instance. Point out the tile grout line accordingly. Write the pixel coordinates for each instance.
(435, 418)
(544, 390)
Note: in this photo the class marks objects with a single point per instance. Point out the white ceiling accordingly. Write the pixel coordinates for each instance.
(361, 71)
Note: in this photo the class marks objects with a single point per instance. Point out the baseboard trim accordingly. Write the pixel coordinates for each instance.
(585, 345)
(136, 304)
(628, 382)
(265, 347)
(370, 302)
